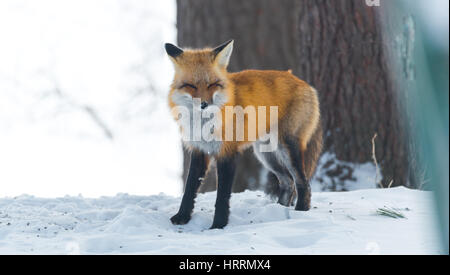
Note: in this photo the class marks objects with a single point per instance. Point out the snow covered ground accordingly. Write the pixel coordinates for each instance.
(338, 223)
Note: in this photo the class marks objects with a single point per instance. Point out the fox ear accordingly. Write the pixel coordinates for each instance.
(222, 53)
(172, 50)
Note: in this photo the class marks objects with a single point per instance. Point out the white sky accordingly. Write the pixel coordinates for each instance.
(90, 50)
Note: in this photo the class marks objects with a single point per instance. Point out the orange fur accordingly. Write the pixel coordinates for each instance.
(297, 102)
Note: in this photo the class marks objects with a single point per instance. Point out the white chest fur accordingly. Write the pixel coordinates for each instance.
(201, 129)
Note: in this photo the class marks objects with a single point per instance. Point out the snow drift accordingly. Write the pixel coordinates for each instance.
(338, 223)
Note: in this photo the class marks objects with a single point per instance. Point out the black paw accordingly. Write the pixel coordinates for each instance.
(303, 206)
(219, 224)
(304, 199)
(180, 218)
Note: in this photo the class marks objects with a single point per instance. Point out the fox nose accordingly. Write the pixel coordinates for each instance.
(204, 105)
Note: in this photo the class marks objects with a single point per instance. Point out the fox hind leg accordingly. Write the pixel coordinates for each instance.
(302, 184)
(286, 192)
(271, 161)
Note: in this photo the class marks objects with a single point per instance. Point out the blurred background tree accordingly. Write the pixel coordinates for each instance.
(417, 43)
(337, 47)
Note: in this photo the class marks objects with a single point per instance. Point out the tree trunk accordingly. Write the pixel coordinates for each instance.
(341, 53)
(334, 45)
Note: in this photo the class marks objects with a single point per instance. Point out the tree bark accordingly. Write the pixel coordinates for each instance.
(341, 53)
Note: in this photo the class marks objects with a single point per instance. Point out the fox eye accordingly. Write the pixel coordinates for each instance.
(188, 85)
(215, 84)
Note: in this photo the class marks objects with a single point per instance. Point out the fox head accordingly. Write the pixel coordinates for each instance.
(200, 75)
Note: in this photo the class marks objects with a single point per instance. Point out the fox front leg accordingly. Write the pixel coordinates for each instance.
(226, 168)
(197, 170)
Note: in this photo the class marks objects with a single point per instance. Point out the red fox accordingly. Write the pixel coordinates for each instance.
(202, 83)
